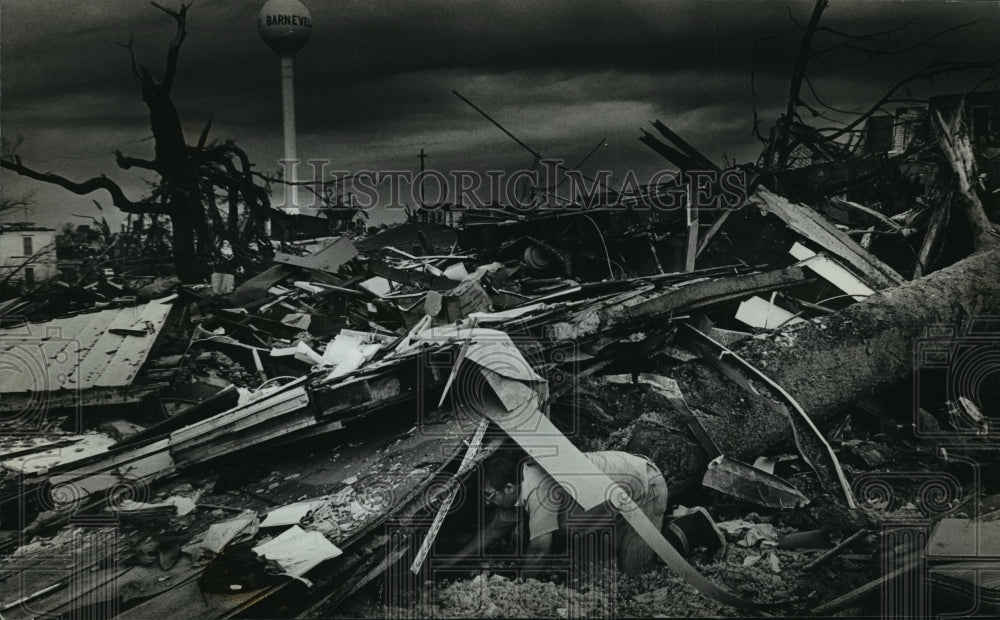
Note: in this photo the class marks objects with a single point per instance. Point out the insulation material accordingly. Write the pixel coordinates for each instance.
(349, 350)
(298, 551)
(220, 535)
(291, 514)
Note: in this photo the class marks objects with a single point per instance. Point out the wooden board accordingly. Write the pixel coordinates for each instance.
(586, 483)
(328, 259)
(239, 418)
(68, 359)
(29, 350)
(817, 229)
(132, 350)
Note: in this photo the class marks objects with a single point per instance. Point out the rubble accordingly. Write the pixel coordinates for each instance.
(324, 419)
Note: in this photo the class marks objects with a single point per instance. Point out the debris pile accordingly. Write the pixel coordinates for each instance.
(283, 442)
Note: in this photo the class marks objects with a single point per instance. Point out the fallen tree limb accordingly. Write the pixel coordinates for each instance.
(935, 230)
(824, 364)
(955, 144)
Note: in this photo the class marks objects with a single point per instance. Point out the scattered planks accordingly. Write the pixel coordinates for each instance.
(820, 231)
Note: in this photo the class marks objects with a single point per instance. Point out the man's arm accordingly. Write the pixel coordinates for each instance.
(537, 548)
(494, 531)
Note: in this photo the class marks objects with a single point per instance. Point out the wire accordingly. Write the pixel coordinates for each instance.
(822, 301)
(607, 254)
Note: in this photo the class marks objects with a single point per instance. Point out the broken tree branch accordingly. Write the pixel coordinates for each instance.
(118, 197)
(125, 162)
(936, 226)
(798, 72)
(924, 73)
(180, 16)
(955, 144)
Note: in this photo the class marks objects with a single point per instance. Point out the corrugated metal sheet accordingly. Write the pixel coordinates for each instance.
(79, 352)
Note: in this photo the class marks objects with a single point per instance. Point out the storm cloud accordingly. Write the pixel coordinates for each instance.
(374, 84)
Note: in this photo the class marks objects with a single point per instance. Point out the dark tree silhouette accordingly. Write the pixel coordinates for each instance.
(193, 179)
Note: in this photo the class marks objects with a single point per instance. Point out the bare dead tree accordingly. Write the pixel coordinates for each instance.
(872, 45)
(192, 178)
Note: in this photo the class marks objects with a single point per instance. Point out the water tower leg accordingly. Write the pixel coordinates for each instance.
(288, 111)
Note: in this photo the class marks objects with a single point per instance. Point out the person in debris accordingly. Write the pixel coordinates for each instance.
(521, 491)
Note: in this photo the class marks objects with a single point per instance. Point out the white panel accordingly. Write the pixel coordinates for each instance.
(832, 272)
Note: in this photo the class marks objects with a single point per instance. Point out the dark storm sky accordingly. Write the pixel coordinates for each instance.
(374, 84)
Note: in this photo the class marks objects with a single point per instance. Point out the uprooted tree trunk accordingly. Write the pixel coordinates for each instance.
(825, 365)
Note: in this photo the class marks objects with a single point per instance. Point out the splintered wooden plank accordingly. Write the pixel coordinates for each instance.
(285, 423)
(238, 419)
(820, 231)
(328, 259)
(132, 352)
(127, 469)
(67, 360)
(582, 479)
(85, 447)
(80, 565)
(21, 357)
(187, 595)
(98, 359)
(26, 360)
(701, 293)
(692, 237)
(290, 422)
(445, 507)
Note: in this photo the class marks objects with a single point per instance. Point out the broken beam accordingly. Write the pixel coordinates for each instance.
(708, 292)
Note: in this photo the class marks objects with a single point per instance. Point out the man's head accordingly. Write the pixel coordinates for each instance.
(501, 485)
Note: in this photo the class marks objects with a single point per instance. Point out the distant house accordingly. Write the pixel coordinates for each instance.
(879, 134)
(444, 214)
(27, 253)
(892, 134)
(982, 113)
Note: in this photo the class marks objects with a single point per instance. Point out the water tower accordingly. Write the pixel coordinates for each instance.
(285, 25)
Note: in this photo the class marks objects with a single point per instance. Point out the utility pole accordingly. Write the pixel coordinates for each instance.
(422, 157)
